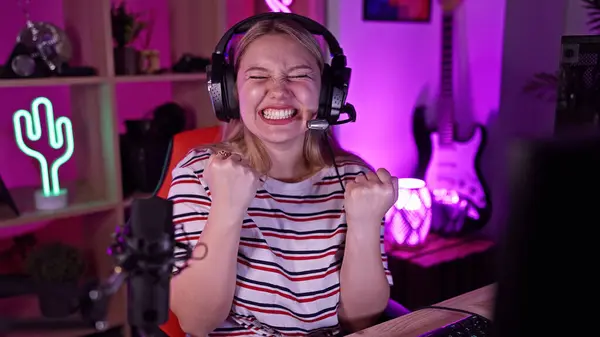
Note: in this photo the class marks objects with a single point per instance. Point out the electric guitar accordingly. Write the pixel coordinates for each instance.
(450, 166)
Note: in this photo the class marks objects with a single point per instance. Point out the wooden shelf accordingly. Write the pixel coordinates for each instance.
(193, 77)
(82, 200)
(51, 81)
(94, 80)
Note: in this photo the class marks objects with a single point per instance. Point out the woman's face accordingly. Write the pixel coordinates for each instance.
(278, 85)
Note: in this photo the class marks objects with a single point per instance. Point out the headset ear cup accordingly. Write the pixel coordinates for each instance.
(215, 91)
(324, 111)
(233, 110)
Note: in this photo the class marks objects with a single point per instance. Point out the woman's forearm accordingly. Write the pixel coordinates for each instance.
(364, 289)
(202, 294)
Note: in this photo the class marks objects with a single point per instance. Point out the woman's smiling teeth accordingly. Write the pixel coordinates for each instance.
(276, 114)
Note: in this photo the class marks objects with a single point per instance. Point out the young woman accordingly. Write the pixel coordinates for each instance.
(282, 249)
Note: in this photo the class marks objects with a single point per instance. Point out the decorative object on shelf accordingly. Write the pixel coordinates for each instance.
(56, 268)
(279, 5)
(144, 147)
(409, 219)
(60, 135)
(189, 63)
(51, 43)
(397, 10)
(8, 208)
(149, 58)
(126, 28)
(42, 49)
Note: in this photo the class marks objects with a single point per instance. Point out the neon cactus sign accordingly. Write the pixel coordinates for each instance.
(60, 134)
(279, 5)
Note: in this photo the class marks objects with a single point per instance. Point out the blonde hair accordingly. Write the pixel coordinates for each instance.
(237, 138)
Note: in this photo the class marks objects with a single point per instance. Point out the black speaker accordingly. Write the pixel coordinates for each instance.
(578, 96)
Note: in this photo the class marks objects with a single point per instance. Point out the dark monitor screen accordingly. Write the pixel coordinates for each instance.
(550, 248)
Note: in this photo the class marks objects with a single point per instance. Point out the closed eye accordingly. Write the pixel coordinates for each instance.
(257, 77)
(300, 76)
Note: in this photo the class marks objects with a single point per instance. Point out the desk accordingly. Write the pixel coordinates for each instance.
(479, 301)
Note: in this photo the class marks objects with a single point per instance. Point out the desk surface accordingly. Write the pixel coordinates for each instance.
(479, 301)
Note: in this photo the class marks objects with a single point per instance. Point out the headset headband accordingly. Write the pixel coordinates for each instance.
(312, 26)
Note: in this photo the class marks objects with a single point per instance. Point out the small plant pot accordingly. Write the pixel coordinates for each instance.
(127, 61)
(58, 300)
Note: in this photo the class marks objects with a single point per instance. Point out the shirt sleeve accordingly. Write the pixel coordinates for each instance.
(191, 205)
(384, 258)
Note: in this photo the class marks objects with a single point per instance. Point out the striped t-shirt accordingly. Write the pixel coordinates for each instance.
(290, 251)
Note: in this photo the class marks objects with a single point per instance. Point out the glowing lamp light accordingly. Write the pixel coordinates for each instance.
(59, 135)
(409, 219)
(279, 5)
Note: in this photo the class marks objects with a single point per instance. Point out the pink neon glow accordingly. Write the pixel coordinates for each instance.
(409, 219)
(279, 5)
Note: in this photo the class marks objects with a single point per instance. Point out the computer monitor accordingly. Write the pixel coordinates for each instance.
(549, 251)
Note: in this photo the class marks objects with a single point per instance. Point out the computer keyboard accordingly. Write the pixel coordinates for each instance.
(472, 326)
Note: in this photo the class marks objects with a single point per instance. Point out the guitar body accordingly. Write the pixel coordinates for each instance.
(454, 176)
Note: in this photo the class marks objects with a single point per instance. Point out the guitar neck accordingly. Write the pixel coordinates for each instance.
(446, 111)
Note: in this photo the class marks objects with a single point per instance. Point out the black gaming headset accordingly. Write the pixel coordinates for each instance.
(334, 84)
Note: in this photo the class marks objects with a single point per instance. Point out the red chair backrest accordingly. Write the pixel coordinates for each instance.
(181, 145)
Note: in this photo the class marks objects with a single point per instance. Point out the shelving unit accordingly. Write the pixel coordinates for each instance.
(96, 197)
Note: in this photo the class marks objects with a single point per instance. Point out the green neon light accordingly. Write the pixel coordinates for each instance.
(60, 133)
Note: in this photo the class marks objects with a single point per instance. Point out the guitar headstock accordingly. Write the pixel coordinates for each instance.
(450, 5)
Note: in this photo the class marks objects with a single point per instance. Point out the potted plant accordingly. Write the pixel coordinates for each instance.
(126, 28)
(56, 269)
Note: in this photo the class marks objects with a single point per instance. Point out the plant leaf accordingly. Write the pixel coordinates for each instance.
(593, 9)
(542, 86)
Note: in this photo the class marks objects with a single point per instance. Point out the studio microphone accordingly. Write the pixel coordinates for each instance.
(150, 241)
